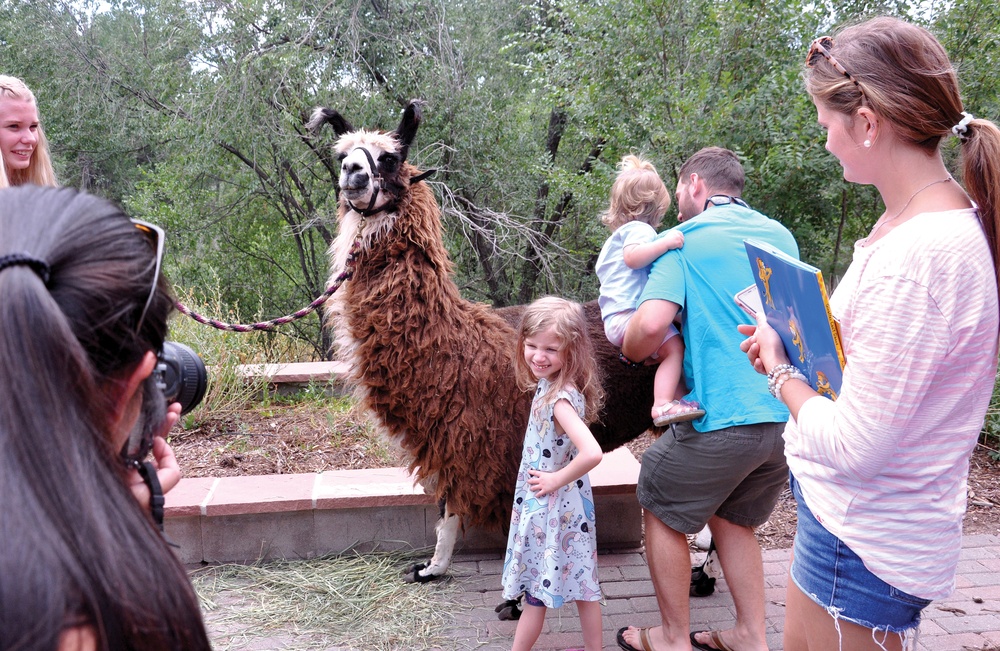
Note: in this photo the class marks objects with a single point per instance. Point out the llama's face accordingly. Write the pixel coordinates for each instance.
(370, 161)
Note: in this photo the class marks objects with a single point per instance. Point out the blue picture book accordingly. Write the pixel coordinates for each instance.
(794, 298)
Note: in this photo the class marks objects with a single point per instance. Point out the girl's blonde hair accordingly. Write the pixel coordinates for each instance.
(576, 349)
(39, 171)
(638, 193)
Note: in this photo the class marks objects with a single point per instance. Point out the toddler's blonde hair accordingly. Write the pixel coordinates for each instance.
(638, 193)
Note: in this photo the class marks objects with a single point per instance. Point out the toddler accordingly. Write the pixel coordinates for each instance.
(639, 199)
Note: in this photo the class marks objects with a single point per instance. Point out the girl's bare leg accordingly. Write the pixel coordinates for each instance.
(529, 627)
(590, 623)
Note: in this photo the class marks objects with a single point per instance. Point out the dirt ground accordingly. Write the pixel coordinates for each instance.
(302, 438)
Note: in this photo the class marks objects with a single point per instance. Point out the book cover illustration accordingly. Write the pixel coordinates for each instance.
(796, 304)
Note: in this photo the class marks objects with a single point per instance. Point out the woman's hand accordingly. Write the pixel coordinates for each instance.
(763, 346)
(167, 469)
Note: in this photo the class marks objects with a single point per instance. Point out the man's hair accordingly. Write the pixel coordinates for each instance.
(719, 168)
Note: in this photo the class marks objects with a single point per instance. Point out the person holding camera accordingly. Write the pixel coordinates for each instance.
(83, 314)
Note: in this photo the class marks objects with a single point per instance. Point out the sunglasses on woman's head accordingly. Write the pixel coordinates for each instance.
(155, 236)
(822, 47)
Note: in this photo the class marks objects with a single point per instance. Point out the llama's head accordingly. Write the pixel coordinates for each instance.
(371, 162)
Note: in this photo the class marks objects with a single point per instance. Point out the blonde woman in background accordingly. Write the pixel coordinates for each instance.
(24, 151)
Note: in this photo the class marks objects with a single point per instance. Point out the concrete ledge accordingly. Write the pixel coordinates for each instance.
(241, 519)
(287, 378)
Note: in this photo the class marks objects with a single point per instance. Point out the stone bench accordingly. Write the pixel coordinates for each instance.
(244, 519)
(287, 378)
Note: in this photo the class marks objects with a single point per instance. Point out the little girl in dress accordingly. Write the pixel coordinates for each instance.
(552, 546)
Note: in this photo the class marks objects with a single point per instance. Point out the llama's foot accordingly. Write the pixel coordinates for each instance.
(413, 575)
(510, 609)
(437, 567)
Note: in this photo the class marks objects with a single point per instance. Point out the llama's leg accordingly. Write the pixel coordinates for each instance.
(447, 536)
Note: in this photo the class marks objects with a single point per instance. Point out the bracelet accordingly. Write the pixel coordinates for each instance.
(783, 376)
(775, 372)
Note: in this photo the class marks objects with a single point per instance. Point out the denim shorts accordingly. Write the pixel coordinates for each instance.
(826, 570)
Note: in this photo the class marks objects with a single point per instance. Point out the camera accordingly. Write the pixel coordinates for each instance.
(181, 375)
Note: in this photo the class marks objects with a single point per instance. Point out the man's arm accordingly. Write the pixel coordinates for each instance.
(647, 328)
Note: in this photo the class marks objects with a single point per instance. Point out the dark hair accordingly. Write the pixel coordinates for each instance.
(904, 75)
(718, 167)
(77, 548)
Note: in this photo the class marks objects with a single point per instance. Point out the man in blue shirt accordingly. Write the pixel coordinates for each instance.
(726, 468)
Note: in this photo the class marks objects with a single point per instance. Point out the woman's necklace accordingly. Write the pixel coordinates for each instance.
(906, 205)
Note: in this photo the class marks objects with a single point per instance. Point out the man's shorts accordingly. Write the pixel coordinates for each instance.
(736, 473)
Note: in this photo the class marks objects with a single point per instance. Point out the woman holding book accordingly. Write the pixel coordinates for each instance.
(880, 474)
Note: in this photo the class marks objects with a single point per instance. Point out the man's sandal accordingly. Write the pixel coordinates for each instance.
(643, 640)
(715, 637)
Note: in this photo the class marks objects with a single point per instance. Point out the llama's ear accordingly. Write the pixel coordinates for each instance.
(407, 129)
(323, 116)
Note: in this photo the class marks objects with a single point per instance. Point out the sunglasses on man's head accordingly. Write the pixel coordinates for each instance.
(822, 47)
(155, 236)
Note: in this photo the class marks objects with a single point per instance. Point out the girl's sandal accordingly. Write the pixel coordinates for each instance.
(676, 411)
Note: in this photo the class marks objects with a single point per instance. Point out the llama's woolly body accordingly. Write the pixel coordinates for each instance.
(434, 370)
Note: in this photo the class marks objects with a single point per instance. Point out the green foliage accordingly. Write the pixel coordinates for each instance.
(231, 390)
(990, 436)
(191, 113)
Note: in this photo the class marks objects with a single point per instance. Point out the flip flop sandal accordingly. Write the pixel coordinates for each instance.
(682, 410)
(643, 640)
(716, 637)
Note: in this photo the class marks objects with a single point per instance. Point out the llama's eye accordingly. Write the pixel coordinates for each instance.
(388, 163)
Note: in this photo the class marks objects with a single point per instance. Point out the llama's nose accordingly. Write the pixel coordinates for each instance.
(357, 180)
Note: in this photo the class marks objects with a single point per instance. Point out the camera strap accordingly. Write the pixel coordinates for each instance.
(156, 500)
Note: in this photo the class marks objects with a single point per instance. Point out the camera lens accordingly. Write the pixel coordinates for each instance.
(182, 375)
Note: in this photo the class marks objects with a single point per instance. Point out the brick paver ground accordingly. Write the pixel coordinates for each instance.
(968, 620)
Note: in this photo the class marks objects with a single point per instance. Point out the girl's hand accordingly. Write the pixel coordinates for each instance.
(763, 345)
(167, 469)
(543, 483)
(674, 239)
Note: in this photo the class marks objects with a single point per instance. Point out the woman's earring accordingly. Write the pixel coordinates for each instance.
(867, 143)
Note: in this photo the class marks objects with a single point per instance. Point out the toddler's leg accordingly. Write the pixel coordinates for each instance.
(668, 407)
(590, 624)
(529, 627)
(668, 373)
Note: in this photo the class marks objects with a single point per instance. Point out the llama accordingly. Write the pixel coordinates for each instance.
(434, 370)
